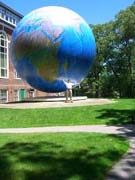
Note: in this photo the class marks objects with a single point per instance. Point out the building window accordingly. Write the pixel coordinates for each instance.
(16, 95)
(31, 93)
(9, 16)
(3, 95)
(3, 56)
(2, 13)
(16, 75)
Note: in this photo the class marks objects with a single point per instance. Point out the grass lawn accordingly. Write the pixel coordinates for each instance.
(59, 156)
(117, 113)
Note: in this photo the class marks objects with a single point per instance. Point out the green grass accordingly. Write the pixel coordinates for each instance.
(59, 156)
(117, 113)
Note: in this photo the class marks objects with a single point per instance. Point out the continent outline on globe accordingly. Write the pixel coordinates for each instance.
(47, 49)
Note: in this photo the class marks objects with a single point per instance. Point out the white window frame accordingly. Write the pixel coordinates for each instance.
(3, 34)
(17, 91)
(6, 97)
(16, 75)
(8, 16)
(31, 93)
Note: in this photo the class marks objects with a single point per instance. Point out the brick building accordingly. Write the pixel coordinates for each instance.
(12, 88)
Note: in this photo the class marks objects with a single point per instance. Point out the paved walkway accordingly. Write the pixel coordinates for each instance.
(123, 170)
(46, 104)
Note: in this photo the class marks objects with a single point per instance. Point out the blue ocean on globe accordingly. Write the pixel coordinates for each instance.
(52, 45)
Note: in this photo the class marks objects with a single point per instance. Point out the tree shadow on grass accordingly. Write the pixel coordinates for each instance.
(117, 117)
(48, 161)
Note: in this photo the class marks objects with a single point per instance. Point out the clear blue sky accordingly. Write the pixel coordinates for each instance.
(93, 11)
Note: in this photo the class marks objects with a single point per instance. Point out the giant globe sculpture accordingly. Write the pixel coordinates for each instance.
(51, 45)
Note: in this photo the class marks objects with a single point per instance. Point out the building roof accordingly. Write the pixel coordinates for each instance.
(10, 9)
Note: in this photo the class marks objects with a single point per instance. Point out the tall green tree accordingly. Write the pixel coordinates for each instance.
(125, 44)
(113, 73)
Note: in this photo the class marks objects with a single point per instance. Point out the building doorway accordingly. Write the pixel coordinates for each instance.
(22, 94)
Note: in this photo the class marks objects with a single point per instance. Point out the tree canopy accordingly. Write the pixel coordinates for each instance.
(113, 73)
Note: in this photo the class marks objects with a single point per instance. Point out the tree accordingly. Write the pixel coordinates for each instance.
(125, 43)
(113, 73)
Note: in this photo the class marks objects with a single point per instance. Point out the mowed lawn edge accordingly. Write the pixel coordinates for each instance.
(119, 113)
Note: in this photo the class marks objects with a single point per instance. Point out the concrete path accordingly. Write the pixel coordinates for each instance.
(46, 104)
(123, 170)
(120, 130)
